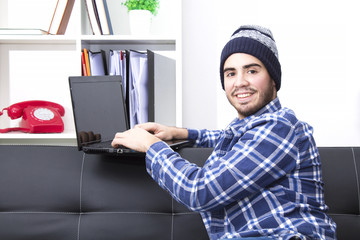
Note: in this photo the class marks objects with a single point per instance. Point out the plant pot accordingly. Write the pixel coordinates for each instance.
(140, 21)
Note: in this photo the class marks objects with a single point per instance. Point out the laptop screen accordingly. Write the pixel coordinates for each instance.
(98, 106)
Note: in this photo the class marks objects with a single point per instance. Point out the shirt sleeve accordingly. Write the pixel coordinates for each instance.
(204, 138)
(262, 155)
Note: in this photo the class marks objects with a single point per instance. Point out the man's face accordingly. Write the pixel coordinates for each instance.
(248, 85)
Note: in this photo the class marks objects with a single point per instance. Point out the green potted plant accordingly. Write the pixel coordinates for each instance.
(140, 14)
(150, 5)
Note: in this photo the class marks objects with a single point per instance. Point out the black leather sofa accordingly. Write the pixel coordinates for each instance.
(57, 192)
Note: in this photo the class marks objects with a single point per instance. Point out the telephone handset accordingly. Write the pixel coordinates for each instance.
(37, 117)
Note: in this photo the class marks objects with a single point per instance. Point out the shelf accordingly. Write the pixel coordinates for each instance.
(63, 39)
(38, 66)
(35, 39)
(18, 138)
(57, 139)
(17, 135)
(149, 39)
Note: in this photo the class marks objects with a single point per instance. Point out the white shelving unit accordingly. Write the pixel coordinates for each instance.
(37, 67)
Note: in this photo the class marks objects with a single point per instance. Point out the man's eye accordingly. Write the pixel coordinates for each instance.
(230, 74)
(252, 71)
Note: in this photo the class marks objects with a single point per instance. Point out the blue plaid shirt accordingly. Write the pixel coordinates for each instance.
(262, 179)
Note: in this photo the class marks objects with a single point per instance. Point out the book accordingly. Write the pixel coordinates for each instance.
(108, 17)
(83, 64)
(103, 16)
(92, 17)
(96, 15)
(22, 31)
(87, 63)
(61, 16)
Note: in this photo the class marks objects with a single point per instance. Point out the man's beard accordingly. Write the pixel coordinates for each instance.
(264, 98)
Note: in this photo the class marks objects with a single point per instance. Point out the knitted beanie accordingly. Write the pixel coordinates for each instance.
(258, 42)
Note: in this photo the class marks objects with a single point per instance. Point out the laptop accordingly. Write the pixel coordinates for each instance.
(100, 112)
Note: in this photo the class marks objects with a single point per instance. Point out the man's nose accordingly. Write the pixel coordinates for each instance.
(241, 80)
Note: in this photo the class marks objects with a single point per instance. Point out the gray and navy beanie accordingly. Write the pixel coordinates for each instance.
(258, 42)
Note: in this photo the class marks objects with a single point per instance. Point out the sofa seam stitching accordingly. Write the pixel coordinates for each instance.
(89, 213)
(345, 214)
(172, 219)
(357, 177)
(35, 212)
(80, 195)
(78, 230)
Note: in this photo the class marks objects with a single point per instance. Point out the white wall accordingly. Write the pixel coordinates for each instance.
(319, 48)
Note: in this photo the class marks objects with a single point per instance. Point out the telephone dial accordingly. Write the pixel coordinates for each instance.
(37, 117)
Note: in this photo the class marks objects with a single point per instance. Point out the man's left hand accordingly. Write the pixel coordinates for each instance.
(137, 139)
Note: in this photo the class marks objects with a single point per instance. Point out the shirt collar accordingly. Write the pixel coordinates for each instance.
(271, 107)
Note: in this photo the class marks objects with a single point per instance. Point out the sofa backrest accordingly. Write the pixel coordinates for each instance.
(51, 192)
(341, 168)
(59, 193)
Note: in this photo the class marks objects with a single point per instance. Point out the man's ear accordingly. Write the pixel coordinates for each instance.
(273, 83)
(274, 87)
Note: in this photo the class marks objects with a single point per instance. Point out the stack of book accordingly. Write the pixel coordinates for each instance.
(93, 63)
(61, 17)
(98, 13)
(58, 23)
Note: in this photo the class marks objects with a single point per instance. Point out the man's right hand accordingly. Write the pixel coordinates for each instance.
(164, 132)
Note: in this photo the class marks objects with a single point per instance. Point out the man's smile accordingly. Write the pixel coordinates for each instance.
(244, 96)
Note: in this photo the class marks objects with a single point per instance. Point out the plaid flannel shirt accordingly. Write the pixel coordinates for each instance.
(262, 179)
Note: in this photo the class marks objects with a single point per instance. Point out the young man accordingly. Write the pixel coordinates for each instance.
(263, 179)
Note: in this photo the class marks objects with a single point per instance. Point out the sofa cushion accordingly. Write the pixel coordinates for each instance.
(53, 192)
(341, 168)
(56, 192)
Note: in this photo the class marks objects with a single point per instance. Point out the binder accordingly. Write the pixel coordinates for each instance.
(138, 88)
(149, 83)
(97, 63)
(162, 87)
(158, 103)
(117, 66)
(114, 62)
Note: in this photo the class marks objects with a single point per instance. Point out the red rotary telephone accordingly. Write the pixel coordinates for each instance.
(37, 117)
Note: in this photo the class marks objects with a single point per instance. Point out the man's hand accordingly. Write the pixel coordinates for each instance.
(142, 136)
(164, 132)
(137, 139)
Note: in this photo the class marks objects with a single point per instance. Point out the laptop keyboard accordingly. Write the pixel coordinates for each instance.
(105, 144)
